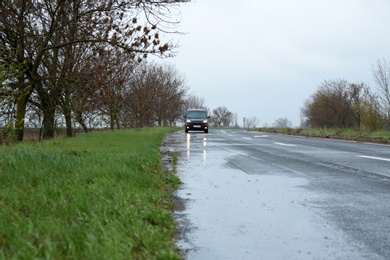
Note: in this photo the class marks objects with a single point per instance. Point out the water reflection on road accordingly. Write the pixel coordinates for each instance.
(197, 145)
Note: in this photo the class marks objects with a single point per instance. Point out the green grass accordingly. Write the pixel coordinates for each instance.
(336, 133)
(102, 195)
(352, 133)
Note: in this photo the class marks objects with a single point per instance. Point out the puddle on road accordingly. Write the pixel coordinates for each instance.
(229, 214)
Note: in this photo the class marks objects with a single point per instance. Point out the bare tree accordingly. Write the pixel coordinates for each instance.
(222, 117)
(235, 120)
(195, 102)
(251, 122)
(142, 95)
(381, 73)
(112, 84)
(155, 95)
(282, 123)
(171, 90)
(356, 94)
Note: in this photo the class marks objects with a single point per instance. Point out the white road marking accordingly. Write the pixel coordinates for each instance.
(247, 138)
(260, 136)
(291, 145)
(374, 158)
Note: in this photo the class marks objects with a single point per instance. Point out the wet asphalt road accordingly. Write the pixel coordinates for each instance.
(256, 195)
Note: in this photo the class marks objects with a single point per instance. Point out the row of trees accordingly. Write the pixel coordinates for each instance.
(338, 103)
(113, 93)
(74, 58)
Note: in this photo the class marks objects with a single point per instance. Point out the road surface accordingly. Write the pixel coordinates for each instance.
(251, 195)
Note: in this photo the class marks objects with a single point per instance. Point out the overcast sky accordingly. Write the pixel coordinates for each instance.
(263, 58)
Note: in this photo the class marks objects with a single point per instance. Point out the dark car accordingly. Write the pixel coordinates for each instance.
(196, 119)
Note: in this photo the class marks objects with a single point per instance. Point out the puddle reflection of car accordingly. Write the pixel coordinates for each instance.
(196, 120)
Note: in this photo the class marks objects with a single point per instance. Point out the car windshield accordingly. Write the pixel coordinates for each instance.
(197, 115)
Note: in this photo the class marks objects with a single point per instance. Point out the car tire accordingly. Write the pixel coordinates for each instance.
(206, 131)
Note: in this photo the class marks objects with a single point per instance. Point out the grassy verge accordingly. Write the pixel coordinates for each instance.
(97, 196)
(333, 133)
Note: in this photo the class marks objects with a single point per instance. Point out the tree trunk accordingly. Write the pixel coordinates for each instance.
(68, 122)
(21, 105)
(48, 121)
(66, 109)
(118, 125)
(80, 120)
(112, 121)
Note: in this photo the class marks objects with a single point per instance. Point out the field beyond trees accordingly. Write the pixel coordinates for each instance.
(102, 195)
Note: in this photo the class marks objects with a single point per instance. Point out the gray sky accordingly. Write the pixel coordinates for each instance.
(262, 58)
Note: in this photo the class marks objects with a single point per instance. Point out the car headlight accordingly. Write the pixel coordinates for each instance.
(188, 121)
(204, 121)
